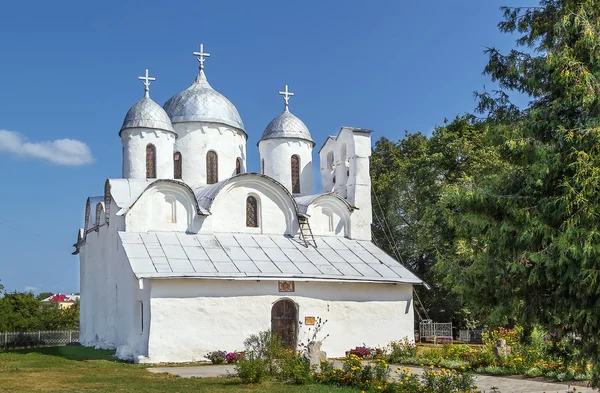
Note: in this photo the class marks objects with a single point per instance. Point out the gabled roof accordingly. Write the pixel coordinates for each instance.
(163, 255)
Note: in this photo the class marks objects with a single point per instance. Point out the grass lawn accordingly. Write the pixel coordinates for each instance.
(79, 369)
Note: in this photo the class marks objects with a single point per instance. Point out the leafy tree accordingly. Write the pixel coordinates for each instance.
(528, 244)
(411, 220)
(19, 312)
(44, 295)
(23, 312)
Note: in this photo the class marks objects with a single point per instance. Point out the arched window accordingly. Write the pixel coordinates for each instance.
(150, 161)
(212, 168)
(238, 166)
(98, 213)
(251, 212)
(330, 160)
(295, 174)
(177, 165)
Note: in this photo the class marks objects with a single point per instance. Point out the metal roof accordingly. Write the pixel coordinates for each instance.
(200, 102)
(287, 125)
(147, 114)
(265, 257)
(126, 192)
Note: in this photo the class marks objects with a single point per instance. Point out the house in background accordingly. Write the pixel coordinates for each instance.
(188, 253)
(62, 300)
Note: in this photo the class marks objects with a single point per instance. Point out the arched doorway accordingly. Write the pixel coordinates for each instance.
(283, 322)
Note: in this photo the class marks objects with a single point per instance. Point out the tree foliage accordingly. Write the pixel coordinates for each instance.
(527, 243)
(23, 312)
(411, 221)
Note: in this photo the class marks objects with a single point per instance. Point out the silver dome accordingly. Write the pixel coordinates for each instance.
(147, 114)
(287, 125)
(200, 102)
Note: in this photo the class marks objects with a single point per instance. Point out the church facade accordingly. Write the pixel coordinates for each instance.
(189, 253)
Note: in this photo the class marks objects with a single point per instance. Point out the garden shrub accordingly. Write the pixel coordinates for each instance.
(398, 351)
(362, 352)
(294, 369)
(252, 370)
(534, 372)
(447, 381)
(266, 358)
(216, 357)
(233, 357)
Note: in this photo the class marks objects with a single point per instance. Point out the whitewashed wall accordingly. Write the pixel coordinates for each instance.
(110, 295)
(191, 317)
(346, 158)
(134, 142)
(164, 206)
(329, 217)
(277, 155)
(168, 206)
(276, 211)
(195, 140)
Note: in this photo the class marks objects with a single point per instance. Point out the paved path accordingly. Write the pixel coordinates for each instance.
(483, 382)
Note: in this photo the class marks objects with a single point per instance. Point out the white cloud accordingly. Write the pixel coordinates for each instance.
(60, 151)
(31, 289)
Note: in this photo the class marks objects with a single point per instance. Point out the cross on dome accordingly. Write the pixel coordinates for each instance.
(286, 97)
(201, 56)
(146, 82)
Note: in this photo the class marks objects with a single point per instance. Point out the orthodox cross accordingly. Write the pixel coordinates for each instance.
(201, 56)
(146, 82)
(286, 97)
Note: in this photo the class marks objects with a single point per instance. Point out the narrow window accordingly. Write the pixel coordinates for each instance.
(98, 213)
(330, 160)
(150, 161)
(142, 317)
(212, 168)
(251, 212)
(262, 166)
(177, 165)
(238, 166)
(295, 174)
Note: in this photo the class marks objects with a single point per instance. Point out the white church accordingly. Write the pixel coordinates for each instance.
(188, 253)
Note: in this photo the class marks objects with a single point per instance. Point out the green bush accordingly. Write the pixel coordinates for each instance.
(494, 370)
(294, 369)
(402, 349)
(252, 370)
(534, 372)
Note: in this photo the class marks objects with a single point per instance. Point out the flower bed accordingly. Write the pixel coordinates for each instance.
(374, 377)
(220, 357)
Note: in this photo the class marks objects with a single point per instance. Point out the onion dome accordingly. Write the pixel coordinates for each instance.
(200, 102)
(287, 125)
(146, 113)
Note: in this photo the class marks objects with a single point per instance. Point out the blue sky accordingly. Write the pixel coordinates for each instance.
(68, 75)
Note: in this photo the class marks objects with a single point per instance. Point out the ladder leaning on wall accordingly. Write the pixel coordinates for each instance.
(305, 232)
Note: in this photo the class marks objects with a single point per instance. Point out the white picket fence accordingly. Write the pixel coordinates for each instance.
(40, 338)
(434, 331)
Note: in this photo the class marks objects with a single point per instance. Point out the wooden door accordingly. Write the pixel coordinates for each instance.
(283, 322)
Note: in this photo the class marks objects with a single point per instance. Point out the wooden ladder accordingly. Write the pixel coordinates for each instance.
(305, 232)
